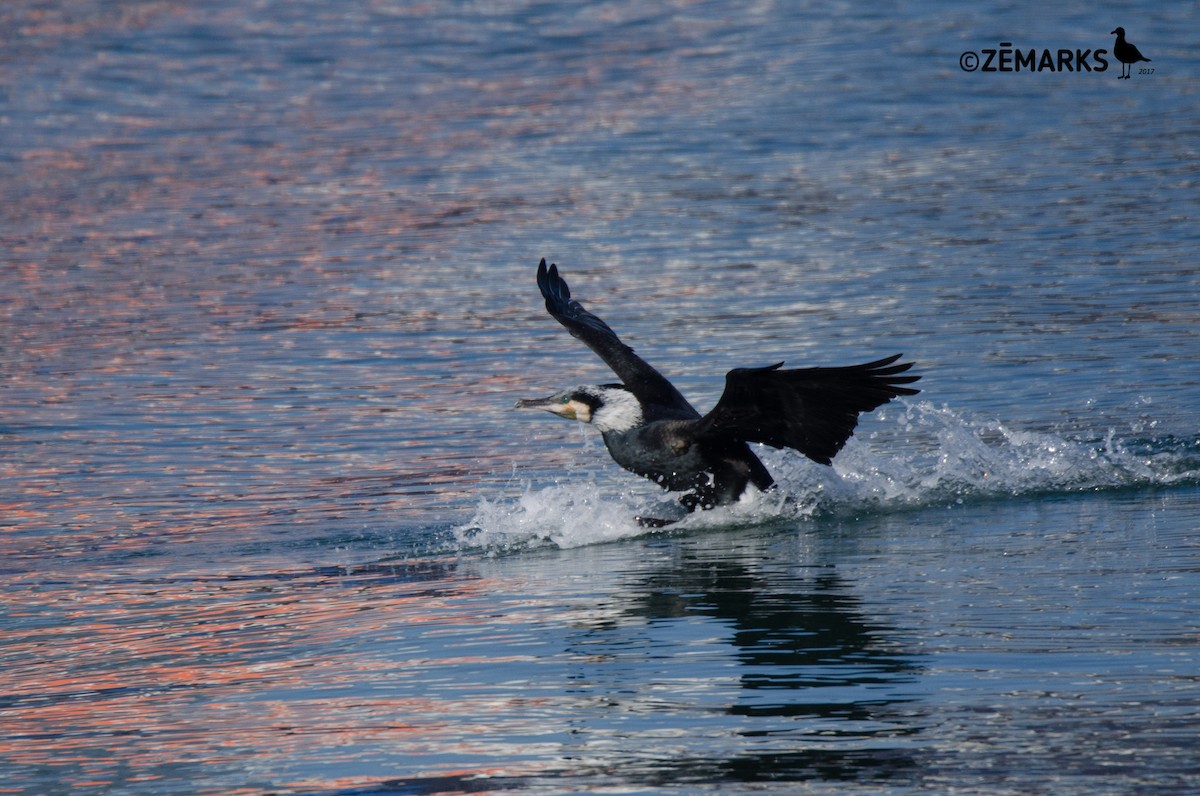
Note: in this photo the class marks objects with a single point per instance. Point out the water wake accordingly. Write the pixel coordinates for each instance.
(914, 455)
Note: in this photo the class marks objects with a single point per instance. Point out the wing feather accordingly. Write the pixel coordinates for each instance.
(649, 386)
(812, 410)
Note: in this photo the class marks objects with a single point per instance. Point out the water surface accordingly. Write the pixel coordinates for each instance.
(268, 522)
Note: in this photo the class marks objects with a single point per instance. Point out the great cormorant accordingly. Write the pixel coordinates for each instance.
(651, 429)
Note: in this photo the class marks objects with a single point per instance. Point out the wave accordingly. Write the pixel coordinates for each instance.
(915, 455)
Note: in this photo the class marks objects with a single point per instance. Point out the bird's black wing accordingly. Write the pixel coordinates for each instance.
(649, 386)
(813, 410)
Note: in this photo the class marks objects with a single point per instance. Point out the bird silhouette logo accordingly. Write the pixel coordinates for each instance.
(1127, 54)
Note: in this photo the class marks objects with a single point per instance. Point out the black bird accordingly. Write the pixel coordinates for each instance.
(650, 429)
(1127, 54)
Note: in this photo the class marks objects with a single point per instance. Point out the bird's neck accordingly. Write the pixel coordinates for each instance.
(620, 411)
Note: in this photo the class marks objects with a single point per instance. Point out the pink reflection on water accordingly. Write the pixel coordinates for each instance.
(111, 679)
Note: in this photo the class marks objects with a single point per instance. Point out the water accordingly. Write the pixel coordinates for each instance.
(270, 526)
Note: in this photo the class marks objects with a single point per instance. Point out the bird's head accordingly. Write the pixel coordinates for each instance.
(608, 407)
(1118, 32)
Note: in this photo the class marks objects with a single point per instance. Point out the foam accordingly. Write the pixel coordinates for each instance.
(910, 455)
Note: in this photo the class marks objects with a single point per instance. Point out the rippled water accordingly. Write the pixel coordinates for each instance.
(268, 524)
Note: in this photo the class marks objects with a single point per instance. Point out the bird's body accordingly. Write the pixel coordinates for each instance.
(650, 429)
(673, 455)
(1126, 53)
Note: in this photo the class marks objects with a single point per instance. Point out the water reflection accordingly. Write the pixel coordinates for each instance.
(820, 682)
(114, 680)
(467, 675)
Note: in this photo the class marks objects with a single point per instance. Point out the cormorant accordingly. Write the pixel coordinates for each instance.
(1127, 54)
(651, 429)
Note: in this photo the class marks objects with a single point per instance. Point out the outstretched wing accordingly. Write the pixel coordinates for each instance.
(813, 410)
(649, 386)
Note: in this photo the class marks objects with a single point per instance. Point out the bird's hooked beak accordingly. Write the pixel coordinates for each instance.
(560, 404)
(555, 403)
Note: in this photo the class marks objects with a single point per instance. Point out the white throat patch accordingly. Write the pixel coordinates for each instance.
(619, 410)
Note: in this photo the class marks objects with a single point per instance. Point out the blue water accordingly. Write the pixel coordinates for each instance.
(269, 525)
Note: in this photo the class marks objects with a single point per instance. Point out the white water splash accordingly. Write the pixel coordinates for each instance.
(909, 456)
